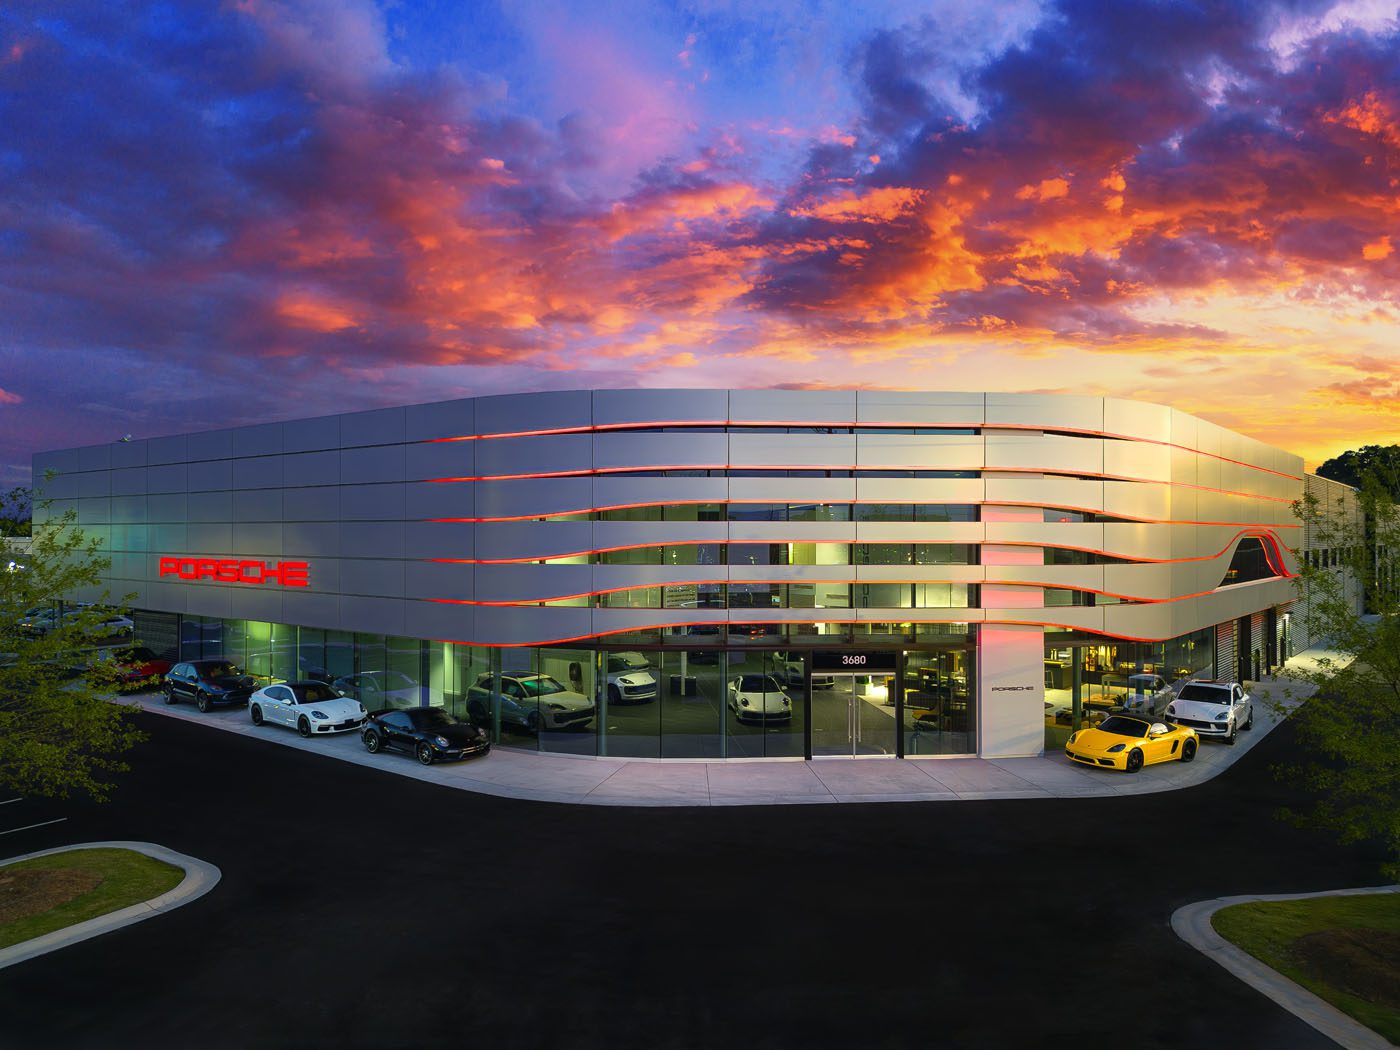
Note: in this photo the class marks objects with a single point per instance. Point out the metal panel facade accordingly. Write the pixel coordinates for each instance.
(434, 519)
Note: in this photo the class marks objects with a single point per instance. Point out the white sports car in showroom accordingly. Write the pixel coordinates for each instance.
(630, 678)
(307, 707)
(1219, 709)
(758, 697)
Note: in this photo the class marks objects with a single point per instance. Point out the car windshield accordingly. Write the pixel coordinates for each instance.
(759, 683)
(431, 718)
(540, 685)
(222, 670)
(1210, 694)
(313, 693)
(1119, 726)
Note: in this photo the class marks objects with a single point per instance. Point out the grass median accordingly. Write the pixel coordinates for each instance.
(44, 894)
(1344, 949)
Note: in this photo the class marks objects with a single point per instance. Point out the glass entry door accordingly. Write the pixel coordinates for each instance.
(854, 715)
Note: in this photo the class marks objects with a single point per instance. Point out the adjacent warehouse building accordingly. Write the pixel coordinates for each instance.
(714, 573)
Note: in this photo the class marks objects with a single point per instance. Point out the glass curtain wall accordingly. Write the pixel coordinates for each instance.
(734, 694)
(1085, 681)
(940, 709)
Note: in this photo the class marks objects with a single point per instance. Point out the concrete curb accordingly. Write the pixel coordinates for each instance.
(1192, 924)
(200, 878)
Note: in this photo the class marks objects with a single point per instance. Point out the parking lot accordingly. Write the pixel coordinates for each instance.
(360, 908)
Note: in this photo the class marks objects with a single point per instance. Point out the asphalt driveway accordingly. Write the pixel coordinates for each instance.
(363, 909)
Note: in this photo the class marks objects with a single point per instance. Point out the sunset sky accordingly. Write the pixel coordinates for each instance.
(215, 214)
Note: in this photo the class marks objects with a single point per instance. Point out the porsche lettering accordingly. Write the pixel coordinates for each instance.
(238, 570)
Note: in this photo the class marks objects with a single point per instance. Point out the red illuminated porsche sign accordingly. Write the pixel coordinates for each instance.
(237, 570)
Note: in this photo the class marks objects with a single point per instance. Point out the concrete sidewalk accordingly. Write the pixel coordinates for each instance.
(511, 773)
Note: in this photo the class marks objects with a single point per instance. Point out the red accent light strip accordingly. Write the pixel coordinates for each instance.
(696, 543)
(604, 471)
(857, 425)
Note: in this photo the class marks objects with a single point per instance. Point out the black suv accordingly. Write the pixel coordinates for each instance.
(208, 682)
(428, 733)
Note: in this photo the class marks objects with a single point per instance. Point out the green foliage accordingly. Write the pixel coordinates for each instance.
(1375, 464)
(1350, 731)
(59, 733)
(16, 512)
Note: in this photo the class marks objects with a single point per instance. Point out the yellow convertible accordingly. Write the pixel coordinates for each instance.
(1126, 743)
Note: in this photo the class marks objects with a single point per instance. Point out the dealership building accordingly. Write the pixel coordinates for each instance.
(714, 573)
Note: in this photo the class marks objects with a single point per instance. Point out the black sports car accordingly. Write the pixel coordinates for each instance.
(208, 682)
(428, 733)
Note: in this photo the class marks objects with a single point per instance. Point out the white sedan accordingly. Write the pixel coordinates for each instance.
(758, 697)
(308, 707)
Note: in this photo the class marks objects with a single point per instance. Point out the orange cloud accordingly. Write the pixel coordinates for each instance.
(1377, 249)
(317, 315)
(1047, 190)
(8, 398)
(879, 205)
(1371, 115)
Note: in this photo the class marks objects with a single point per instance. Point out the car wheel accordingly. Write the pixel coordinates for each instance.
(1188, 751)
(614, 695)
(201, 701)
(170, 695)
(372, 742)
(255, 713)
(1134, 762)
(303, 726)
(1249, 722)
(424, 755)
(1231, 738)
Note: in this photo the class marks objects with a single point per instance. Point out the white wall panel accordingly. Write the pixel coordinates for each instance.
(1012, 450)
(1137, 419)
(919, 452)
(659, 451)
(792, 406)
(1045, 411)
(442, 419)
(919, 408)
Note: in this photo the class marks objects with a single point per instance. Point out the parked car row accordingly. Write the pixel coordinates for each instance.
(1128, 742)
(42, 619)
(316, 708)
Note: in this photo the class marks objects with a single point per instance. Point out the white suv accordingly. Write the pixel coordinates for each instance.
(1219, 709)
(630, 678)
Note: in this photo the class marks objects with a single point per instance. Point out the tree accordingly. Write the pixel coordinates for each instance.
(1374, 464)
(16, 511)
(59, 734)
(1349, 732)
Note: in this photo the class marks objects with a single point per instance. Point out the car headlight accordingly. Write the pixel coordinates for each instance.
(1171, 709)
(321, 715)
(481, 734)
(1223, 720)
(555, 707)
(362, 708)
(743, 702)
(1117, 748)
(441, 741)
(786, 701)
(1072, 738)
